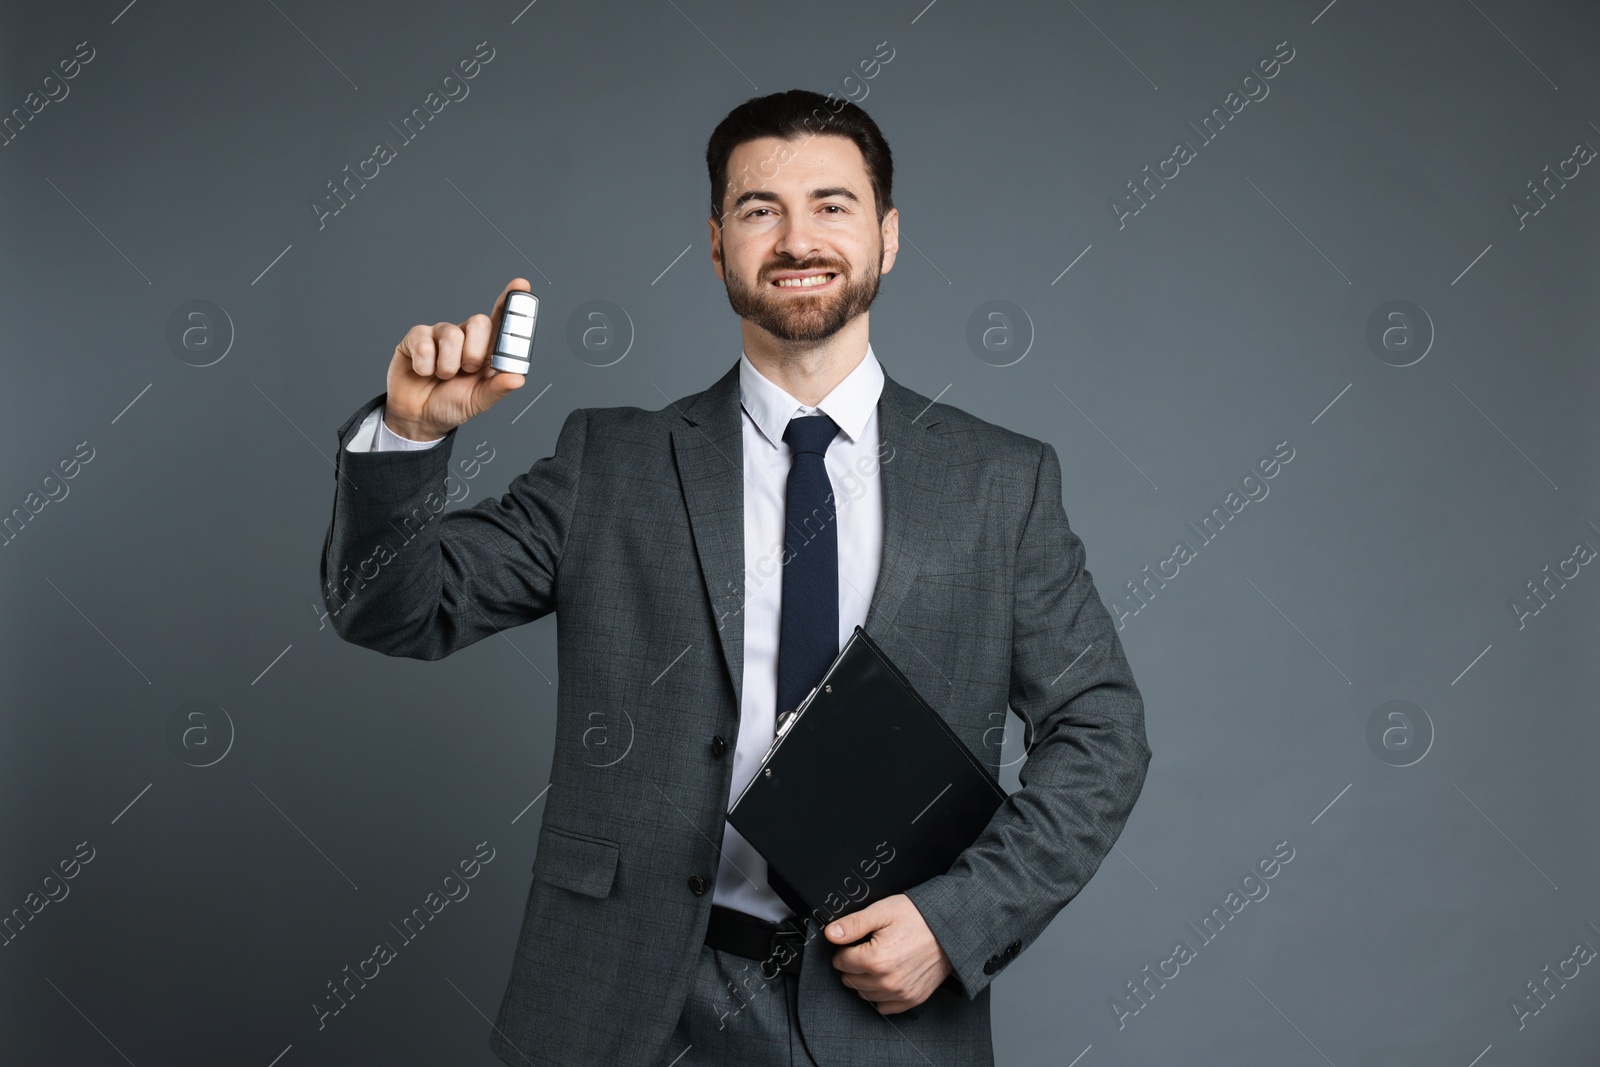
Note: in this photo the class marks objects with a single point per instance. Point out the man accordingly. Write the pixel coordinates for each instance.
(705, 562)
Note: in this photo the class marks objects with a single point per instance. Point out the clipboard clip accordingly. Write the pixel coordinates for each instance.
(786, 719)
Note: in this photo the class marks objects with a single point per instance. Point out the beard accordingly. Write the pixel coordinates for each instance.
(804, 319)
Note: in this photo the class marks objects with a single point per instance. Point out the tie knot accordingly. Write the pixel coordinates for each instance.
(810, 433)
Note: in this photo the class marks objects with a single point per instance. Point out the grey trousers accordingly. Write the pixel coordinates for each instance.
(737, 1017)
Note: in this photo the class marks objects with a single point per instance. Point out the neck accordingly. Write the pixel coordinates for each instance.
(807, 370)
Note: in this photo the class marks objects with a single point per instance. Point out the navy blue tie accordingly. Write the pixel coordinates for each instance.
(808, 633)
(808, 627)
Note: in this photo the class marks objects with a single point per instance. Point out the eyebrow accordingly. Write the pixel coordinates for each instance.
(816, 194)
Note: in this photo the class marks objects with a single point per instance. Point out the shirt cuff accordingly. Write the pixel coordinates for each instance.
(374, 435)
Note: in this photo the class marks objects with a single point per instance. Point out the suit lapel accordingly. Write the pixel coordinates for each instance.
(708, 447)
(911, 473)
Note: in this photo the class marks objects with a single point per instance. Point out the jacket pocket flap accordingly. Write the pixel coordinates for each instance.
(586, 865)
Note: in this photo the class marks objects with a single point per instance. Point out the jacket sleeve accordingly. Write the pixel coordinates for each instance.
(402, 576)
(1087, 755)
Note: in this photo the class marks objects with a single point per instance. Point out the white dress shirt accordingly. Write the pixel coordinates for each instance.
(852, 464)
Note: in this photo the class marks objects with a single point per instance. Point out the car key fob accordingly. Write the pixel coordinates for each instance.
(513, 345)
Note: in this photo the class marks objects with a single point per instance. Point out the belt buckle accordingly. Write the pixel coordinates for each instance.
(784, 949)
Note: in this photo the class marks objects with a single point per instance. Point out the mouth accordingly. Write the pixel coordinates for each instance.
(804, 281)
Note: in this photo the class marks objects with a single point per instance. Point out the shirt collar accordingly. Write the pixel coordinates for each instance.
(849, 404)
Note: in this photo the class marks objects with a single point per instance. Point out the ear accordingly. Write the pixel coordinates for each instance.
(891, 238)
(716, 246)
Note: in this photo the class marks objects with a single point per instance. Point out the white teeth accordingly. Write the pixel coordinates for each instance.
(802, 283)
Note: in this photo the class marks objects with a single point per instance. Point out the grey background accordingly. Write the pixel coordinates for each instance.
(1227, 316)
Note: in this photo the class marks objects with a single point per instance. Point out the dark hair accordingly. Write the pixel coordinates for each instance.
(799, 113)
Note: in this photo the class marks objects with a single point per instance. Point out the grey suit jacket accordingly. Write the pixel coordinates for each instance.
(632, 533)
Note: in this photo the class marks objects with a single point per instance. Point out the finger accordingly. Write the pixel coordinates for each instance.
(489, 391)
(417, 346)
(853, 961)
(475, 345)
(447, 338)
(865, 983)
(880, 996)
(516, 285)
(876, 990)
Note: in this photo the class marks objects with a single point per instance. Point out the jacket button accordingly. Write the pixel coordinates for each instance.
(719, 746)
(1013, 948)
(697, 884)
(991, 965)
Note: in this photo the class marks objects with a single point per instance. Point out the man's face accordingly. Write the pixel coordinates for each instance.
(801, 251)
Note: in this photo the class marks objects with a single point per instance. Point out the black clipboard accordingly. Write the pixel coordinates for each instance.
(865, 792)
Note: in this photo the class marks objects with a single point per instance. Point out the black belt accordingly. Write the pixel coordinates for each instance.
(778, 946)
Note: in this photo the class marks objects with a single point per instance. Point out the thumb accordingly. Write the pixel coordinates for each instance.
(494, 388)
(855, 926)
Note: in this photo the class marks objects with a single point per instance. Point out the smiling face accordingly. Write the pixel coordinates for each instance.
(801, 252)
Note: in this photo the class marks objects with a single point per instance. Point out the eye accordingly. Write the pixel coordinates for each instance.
(751, 213)
(834, 207)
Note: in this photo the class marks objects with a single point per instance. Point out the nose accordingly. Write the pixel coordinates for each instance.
(797, 238)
